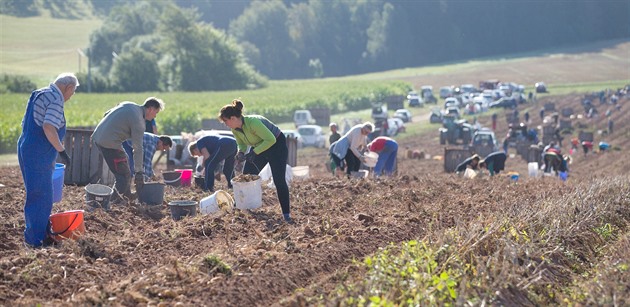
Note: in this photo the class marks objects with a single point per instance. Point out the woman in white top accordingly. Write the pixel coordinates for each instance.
(348, 147)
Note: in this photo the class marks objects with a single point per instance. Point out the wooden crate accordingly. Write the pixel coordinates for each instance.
(585, 136)
(87, 165)
(565, 124)
(567, 112)
(321, 116)
(550, 106)
(453, 157)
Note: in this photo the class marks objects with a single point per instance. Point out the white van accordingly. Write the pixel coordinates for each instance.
(312, 135)
(303, 117)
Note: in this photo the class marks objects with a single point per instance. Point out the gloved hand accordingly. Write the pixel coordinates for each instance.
(250, 156)
(199, 168)
(64, 157)
(139, 180)
(240, 156)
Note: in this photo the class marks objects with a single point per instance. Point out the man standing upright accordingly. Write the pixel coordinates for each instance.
(125, 121)
(43, 128)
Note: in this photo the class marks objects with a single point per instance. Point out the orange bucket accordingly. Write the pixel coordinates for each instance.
(67, 225)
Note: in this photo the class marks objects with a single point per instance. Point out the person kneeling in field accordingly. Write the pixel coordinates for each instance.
(214, 149)
(494, 162)
(151, 143)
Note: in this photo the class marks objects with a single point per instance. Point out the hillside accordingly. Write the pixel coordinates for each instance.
(565, 241)
(43, 47)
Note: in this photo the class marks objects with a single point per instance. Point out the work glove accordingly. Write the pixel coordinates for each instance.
(199, 168)
(64, 157)
(240, 156)
(250, 156)
(139, 180)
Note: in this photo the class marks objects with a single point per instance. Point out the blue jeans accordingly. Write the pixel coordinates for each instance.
(386, 159)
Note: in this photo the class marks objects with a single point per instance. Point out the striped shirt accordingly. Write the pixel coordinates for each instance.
(48, 107)
(149, 144)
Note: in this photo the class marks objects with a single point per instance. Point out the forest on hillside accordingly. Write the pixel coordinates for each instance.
(322, 38)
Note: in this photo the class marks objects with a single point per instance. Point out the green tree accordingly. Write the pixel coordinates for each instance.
(122, 25)
(264, 25)
(135, 71)
(200, 57)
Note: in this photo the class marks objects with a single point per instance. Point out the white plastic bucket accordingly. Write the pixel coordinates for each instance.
(301, 172)
(248, 195)
(215, 202)
(370, 159)
(532, 168)
(361, 174)
(470, 173)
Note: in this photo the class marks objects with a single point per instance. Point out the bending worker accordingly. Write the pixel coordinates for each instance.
(214, 149)
(151, 143)
(349, 146)
(268, 145)
(387, 150)
(494, 162)
(472, 162)
(43, 129)
(125, 121)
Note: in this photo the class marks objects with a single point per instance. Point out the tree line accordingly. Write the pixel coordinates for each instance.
(217, 45)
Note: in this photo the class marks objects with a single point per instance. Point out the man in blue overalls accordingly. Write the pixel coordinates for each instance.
(43, 128)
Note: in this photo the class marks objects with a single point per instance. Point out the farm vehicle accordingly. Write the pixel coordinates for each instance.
(454, 130)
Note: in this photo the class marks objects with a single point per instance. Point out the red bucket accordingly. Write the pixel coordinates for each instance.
(186, 179)
(67, 225)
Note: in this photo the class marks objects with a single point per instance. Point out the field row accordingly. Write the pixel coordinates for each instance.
(185, 111)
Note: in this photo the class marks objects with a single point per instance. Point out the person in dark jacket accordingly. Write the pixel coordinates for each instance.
(214, 149)
(494, 162)
(472, 163)
(334, 137)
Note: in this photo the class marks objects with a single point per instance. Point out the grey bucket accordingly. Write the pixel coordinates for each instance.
(181, 208)
(98, 195)
(152, 193)
(172, 178)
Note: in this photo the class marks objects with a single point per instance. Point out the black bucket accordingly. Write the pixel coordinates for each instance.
(152, 193)
(182, 208)
(98, 195)
(200, 181)
(173, 178)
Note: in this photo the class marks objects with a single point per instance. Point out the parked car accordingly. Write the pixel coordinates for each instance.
(446, 91)
(426, 92)
(504, 102)
(312, 135)
(303, 117)
(540, 87)
(451, 102)
(436, 116)
(379, 111)
(294, 134)
(403, 114)
(484, 142)
(413, 100)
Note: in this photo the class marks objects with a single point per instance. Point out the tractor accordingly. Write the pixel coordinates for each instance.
(453, 130)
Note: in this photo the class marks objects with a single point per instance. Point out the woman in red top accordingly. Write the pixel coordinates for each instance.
(387, 150)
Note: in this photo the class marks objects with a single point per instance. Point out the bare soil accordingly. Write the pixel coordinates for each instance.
(137, 254)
